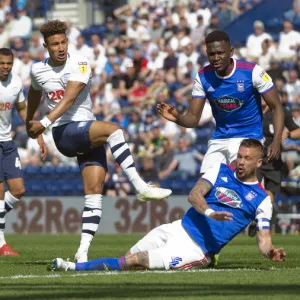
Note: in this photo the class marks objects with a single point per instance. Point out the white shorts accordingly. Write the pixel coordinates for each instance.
(220, 151)
(170, 247)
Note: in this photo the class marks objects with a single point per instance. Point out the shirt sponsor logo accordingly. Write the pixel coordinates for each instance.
(228, 197)
(250, 196)
(229, 103)
(82, 67)
(6, 106)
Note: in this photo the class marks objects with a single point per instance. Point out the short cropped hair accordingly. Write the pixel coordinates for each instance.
(217, 36)
(252, 143)
(52, 28)
(6, 52)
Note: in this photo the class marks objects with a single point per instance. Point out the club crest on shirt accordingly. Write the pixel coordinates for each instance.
(82, 67)
(250, 196)
(228, 103)
(240, 86)
(228, 197)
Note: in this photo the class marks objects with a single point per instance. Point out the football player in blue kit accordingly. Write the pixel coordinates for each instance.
(234, 89)
(224, 202)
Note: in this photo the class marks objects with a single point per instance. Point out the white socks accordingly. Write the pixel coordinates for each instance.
(91, 217)
(10, 201)
(123, 157)
(2, 223)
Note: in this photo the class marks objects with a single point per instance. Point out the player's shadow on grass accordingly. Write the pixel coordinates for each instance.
(60, 290)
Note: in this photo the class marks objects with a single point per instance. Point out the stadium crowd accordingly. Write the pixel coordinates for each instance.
(147, 56)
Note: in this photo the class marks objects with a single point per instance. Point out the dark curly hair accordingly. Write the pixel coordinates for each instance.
(53, 27)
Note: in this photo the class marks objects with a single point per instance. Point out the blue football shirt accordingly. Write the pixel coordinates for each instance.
(235, 99)
(246, 201)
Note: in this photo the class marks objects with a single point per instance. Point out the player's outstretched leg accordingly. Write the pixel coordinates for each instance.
(135, 261)
(104, 132)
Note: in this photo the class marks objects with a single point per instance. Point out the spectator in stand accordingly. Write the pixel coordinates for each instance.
(96, 44)
(291, 154)
(289, 41)
(25, 69)
(188, 55)
(185, 162)
(22, 26)
(275, 71)
(255, 40)
(171, 60)
(148, 170)
(293, 87)
(4, 36)
(225, 13)
(137, 95)
(18, 47)
(213, 25)
(72, 33)
(266, 55)
(156, 30)
(36, 48)
(293, 14)
(197, 34)
(296, 114)
(140, 63)
(81, 48)
(165, 156)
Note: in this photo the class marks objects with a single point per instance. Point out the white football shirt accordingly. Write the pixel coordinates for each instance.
(11, 92)
(53, 81)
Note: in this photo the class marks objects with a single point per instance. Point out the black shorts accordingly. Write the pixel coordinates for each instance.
(73, 140)
(10, 166)
(271, 179)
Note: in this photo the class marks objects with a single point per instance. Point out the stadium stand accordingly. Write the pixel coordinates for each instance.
(142, 56)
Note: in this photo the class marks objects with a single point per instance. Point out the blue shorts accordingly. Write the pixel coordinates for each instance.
(10, 165)
(73, 139)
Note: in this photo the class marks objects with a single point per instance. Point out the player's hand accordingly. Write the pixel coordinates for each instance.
(43, 147)
(168, 111)
(277, 255)
(221, 216)
(274, 151)
(35, 129)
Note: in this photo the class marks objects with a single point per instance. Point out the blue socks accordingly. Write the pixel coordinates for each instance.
(103, 264)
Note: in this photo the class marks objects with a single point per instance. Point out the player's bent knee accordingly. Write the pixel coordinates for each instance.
(18, 192)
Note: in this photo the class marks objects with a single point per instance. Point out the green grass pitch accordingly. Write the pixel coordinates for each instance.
(242, 272)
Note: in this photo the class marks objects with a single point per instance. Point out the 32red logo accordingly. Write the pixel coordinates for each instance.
(56, 95)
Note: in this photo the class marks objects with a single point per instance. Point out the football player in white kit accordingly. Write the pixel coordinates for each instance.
(11, 90)
(63, 80)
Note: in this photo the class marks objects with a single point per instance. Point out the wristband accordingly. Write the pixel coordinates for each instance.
(46, 122)
(208, 212)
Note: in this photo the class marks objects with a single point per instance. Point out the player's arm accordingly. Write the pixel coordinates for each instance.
(272, 99)
(264, 85)
(265, 245)
(192, 117)
(200, 190)
(21, 109)
(264, 241)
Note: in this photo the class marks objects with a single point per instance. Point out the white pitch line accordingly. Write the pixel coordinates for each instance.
(114, 273)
